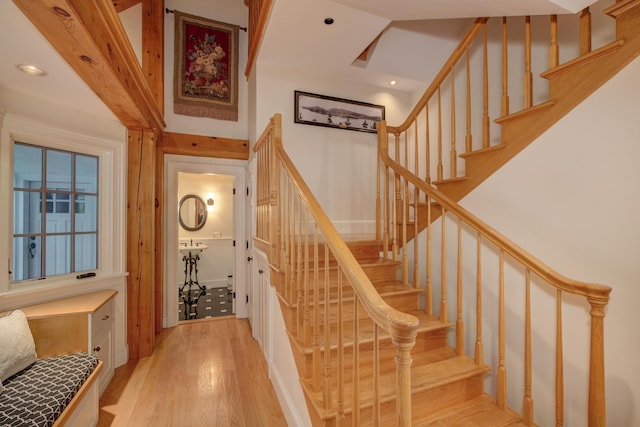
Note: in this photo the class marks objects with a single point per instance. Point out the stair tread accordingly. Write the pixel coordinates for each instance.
(478, 412)
(428, 376)
(426, 324)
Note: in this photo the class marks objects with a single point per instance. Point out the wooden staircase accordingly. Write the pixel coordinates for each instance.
(368, 325)
(568, 85)
(447, 387)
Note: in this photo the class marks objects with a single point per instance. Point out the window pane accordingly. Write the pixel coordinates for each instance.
(27, 218)
(86, 256)
(86, 213)
(58, 170)
(60, 220)
(58, 254)
(27, 166)
(27, 258)
(86, 174)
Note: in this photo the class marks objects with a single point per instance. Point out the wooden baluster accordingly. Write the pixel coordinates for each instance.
(355, 416)
(585, 31)
(479, 345)
(440, 172)
(397, 196)
(505, 70)
(527, 402)
(502, 370)
(326, 381)
(316, 357)
(376, 375)
(292, 246)
(559, 363)
(429, 296)
(468, 144)
(406, 149)
(387, 216)
(416, 245)
(597, 400)
(378, 199)
(416, 149)
(284, 219)
(554, 49)
(453, 173)
(459, 321)
(405, 219)
(340, 375)
(486, 136)
(443, 266)
(528, 75)
(428, 149)
(307, 293)
(302, 292)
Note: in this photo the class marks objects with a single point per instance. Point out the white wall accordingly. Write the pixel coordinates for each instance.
(338, 165)
(571, 200)
(228, 11)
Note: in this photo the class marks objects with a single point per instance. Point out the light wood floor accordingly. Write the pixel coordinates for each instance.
(202, 373)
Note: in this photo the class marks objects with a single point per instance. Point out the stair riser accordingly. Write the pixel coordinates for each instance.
(401, 302)
(377, 273)
(364, 250)
(423, 403)
(424, 342)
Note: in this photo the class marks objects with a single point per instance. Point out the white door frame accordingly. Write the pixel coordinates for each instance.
(174, 164)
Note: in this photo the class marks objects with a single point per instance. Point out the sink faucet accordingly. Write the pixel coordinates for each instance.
(191, 242)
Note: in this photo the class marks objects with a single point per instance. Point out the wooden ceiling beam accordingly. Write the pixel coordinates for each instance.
(122, 5)
(88, 34)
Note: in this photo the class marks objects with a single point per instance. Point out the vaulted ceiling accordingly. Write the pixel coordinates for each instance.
(297, 37)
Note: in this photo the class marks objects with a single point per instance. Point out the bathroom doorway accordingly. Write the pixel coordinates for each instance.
(206, 246)
(203, 271)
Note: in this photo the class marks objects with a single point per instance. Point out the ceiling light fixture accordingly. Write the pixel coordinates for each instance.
(31, 70)
(328, 21)
(393, 82)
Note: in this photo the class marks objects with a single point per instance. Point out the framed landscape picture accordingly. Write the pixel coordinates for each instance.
(320, 110)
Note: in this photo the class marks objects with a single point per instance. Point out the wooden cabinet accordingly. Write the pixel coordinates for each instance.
(87, 322)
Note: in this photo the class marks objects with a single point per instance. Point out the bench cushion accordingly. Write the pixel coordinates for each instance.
(37, 395)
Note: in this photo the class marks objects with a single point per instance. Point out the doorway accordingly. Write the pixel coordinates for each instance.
(205, 281)
(203, 238)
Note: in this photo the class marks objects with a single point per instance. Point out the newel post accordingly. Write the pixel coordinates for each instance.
(597, 402)
(404, 344)
(274, 188)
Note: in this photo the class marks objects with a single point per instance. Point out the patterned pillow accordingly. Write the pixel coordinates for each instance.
(17, 349)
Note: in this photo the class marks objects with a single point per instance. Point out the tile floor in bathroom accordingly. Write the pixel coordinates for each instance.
(200, 304)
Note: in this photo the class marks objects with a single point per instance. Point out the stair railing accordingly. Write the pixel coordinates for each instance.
(457, 228)
(495, 59)
(311, 268)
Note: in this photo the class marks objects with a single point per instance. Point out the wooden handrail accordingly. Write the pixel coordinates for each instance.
(458, 53)
(590, 290)
(596, 295)
(295, 225)
(400, 325)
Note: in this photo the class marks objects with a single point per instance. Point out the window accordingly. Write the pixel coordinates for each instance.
(55, 212)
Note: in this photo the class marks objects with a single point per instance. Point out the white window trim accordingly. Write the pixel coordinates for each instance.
(112, 193)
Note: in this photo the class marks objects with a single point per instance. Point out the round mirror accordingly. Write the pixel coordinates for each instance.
(192, 212)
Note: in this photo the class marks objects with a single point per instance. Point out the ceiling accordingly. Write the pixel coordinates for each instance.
(297, 37)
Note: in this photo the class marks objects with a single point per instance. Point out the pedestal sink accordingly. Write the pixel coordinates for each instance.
(195, 249)
(191, 255)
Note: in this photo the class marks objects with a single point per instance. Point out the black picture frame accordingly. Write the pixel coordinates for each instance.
(328, 111)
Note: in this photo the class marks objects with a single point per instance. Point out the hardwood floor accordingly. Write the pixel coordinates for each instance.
(202, 373)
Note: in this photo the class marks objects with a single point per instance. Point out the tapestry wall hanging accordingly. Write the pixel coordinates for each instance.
(205, 81)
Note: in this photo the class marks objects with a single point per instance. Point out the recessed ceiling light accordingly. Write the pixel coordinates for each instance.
(31, 70)
(328, 21)
(393, 82)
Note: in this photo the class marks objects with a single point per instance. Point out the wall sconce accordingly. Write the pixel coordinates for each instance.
(209, 201)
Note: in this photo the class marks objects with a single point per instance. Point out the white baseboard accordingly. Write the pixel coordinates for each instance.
(286, 403)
